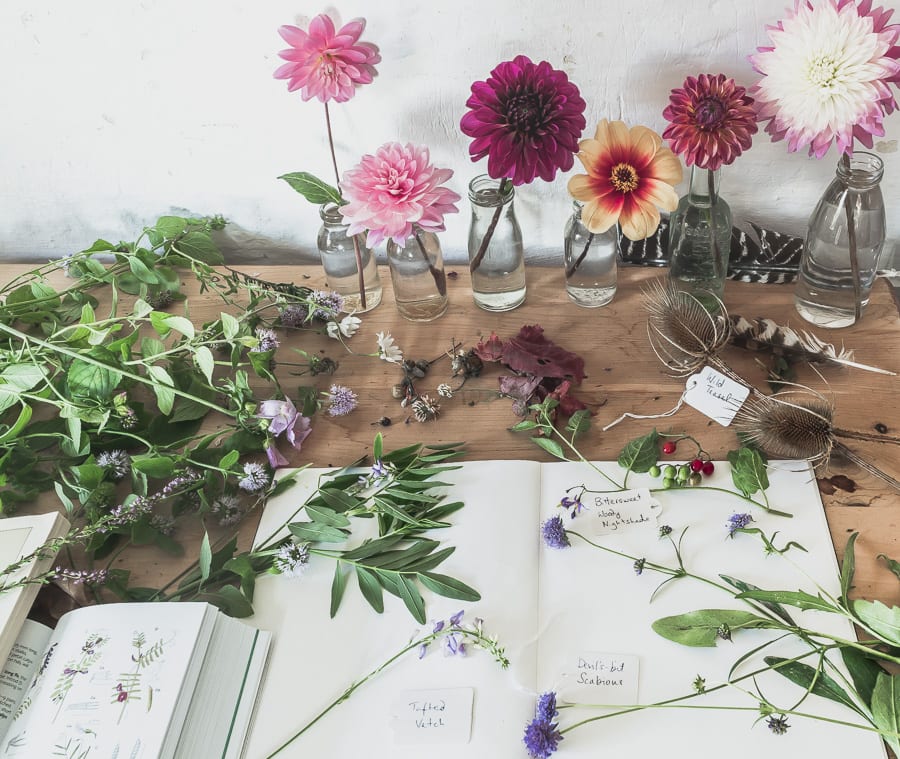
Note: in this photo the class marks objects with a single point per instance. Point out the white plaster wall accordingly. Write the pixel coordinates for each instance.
(117, 111)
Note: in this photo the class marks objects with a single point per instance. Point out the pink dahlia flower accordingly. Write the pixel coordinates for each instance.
(827, 75)
(393, 190)
(324, 63)
(527, 119)
(711, 121)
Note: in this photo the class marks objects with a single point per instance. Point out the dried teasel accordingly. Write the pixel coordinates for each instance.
(684, 335)
(798, 424)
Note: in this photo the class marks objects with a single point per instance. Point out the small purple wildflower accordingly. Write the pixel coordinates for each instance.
(256, 478)
(268, 340)
(574, 504)
(554, 533)
(456, 618)
(227, 508)
(116, 462)
(737, 522)
(546, 707)
(453, 645)
(325, 304)
(438, 626)
(82, 576)
(129, 513)
(778, 724)
(341, 400)
(639, 566)
(294, 315)
(292, 558)
(541, 738)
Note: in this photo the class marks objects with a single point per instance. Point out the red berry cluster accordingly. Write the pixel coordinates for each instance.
(686, 474)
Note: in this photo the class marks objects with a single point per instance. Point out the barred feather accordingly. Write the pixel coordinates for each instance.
(795, 345)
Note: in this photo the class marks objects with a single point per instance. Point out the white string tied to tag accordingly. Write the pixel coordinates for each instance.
(689, 385)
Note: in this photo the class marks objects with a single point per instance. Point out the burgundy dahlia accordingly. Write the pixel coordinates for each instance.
(711, 121)
(526, 118)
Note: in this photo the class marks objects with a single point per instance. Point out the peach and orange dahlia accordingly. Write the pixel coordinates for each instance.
(630, 176)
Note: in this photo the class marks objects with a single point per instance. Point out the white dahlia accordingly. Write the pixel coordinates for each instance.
(827, 75)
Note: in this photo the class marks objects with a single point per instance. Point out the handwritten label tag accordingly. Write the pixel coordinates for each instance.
(433, 716)
(625, 511)
(599, 678)
(715, 395)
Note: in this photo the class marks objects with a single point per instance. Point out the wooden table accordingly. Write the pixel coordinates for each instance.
(623, 375)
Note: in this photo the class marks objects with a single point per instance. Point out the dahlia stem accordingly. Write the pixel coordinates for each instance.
(485, 241)
(337, 176)
(573, 267)
(851, 243)
(440, 280)
(337, 179)
(713, 236)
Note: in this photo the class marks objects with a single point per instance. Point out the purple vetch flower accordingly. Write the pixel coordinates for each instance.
(457, 618)
(341, 400)
(116, 462)
(453, 645)
(268, 340)
(256, 478)
(737, 522)
(554, 533)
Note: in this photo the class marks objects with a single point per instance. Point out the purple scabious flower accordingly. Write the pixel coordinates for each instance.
(737, 522)
(256, 478)
(527, 119)
(541, 738)
(268, 340)
(554, 533)
(117, 463)
(341, 400)
(546, 707)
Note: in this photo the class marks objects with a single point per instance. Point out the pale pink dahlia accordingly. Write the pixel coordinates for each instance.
(393, 190)
(827, 75)
(527, 119)
(326, 64)
(711, 121)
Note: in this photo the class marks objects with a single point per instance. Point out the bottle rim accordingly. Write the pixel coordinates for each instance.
(484, 190)
(330, 213)
(861, 171)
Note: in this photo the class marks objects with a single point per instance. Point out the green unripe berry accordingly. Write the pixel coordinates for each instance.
(668, 472)
(654, 471)
(667, 483)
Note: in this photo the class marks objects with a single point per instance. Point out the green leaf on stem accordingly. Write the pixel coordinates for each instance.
(886, 709)
(775, 608)
(579, 423)
(702, 628)
(88, 380)
(863, 671)
(337, 588)
(162, 384)
(324, 515)
(312, 188)
(748, 470)
(378, 447)
(412, 598)
(449, 587)
(893, 565)
(158, 467)
(370, 588)
(171, 226)
(230, 326)
(315, 532)
(230, 600)
(205, 361)
(551, 446)
(205, 558)
(816, 681)
(641, 453)
(200, 245)
(799, 599)
(848, 567)
(883, 620)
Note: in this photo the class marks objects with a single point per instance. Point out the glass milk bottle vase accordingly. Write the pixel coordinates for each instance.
(349, 265)
(417, 274)
(845, 237)
(700, 240)
(590, 261)
(496, 254)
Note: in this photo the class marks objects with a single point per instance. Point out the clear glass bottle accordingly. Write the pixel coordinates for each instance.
(339, 252)
(590, 261)
(829, 292)
(496, 253)
(700, 239)
(417, 274)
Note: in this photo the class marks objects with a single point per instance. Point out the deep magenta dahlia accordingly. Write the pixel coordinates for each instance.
(711, 121)
(526, 118)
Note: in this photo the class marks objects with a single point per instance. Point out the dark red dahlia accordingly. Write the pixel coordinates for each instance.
(527, 119)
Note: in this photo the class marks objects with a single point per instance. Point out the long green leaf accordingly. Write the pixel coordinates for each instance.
(800, 599)
(370, 588)
(880, 619)
(205, 558)
(324, 515)
(776, 609)
(863, 671)
(337, 588)
(449, 587)
(412, 598)
(312, 188)
(316, 532)
(886, 709)
(892, 564)
(848, 567)
(813, 680)
(701, 628)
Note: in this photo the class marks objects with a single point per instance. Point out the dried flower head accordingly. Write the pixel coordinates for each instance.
(684, 335)
(526, 118)
(444, 390)
(227, 509)
(630, 176)
(638, 566)
(425, 409)
(325, 63)
(777, 723)
(711, 121)
(828, 74)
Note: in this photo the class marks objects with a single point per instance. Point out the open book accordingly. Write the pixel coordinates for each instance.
(576, 621)
(20, 537)
(131, 681)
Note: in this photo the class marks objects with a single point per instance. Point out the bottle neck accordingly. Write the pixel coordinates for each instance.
(704, 189)
(861, 171)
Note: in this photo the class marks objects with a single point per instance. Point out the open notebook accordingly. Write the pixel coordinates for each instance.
(565, 617)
